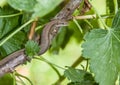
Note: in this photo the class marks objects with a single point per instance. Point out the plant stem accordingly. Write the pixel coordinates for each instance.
(93, 16)
(16, 31)
(32, 30)
(115, 5)
(39, 27)
(43, 59)
(51, 64)
(87, 64)
(21, 81)
(91, 26)
(78, 61)
(17, 74)
(85, 17)
(100, 17)
(11, 15)
(75, 21)
(14, 79)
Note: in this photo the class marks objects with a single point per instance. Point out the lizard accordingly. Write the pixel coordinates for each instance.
(48, 33)
(61, 18)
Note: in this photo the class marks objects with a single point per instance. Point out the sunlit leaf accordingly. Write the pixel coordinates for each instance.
(25, 5)
(102, 47)
(43, 7)
(2, 3)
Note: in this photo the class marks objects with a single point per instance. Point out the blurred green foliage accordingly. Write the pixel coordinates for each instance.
(65, 48)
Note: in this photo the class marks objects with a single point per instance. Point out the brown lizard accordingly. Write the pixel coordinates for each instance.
(49, 31)
(61, 18)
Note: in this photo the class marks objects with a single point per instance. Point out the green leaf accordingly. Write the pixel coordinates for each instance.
(25, 5)
(13, 44)
(2, 3)
(43, 7)
(102, 47)
(109, 10)
(75, 75)
(118, 3)
(32, 48)
(7, 24)
(78, 76)
(116, 21)
(26, 17)
(76, 31)
(83, 83)
(59, 40)
(7, 79)
(110, 6)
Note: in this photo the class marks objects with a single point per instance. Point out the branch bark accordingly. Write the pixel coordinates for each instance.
(9, 63)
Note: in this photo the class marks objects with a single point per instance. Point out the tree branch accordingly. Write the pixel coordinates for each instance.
(9, 63)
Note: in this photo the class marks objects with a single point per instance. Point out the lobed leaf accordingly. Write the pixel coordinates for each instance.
(32, 48)
(74, 75)
(79, 77)
(102, 47)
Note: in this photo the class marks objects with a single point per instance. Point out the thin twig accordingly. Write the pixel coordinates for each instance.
(11, 15)
(17, 74)
(87, 64)
(32, 30)
(93, 16)
(51, 64)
